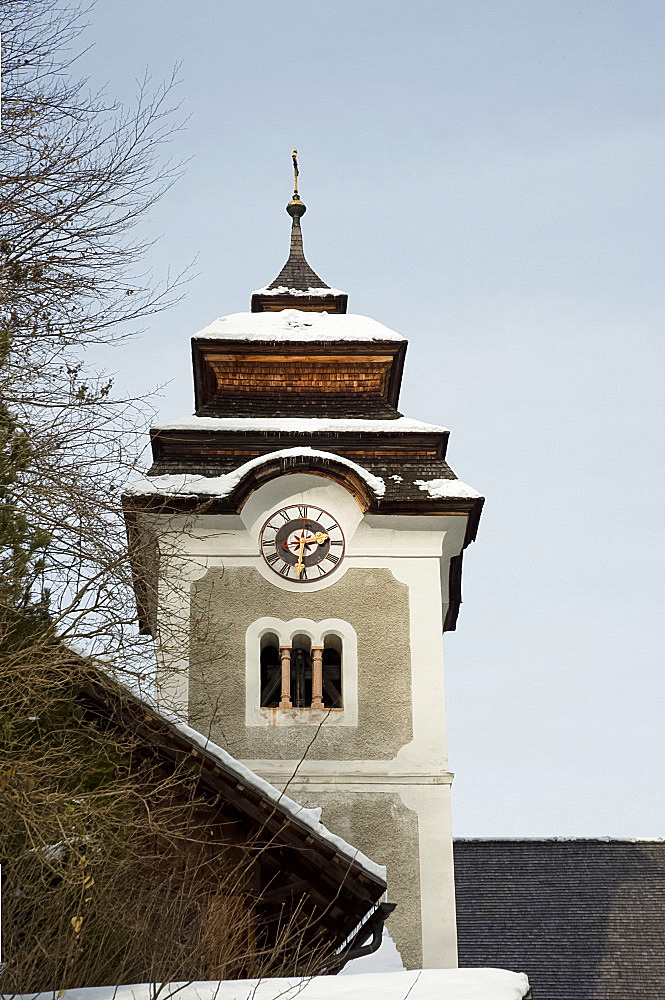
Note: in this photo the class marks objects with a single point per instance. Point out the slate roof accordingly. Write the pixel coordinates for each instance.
(584, 919)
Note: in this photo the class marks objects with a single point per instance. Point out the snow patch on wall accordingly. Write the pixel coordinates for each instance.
(296, 325)
(188, 485)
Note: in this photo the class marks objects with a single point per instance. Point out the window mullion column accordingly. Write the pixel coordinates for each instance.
(285, 656)
(317, 676)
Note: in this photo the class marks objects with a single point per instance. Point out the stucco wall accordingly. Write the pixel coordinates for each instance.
(381, 826)
(227, 600)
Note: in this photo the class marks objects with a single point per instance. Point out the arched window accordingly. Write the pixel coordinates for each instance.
(271, 677)
(332, 671)
(301, 671)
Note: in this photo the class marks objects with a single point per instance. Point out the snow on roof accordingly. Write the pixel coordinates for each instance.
(315, 425)
(446, 488)
(310, 818)
(419, 984)
(188, 485)
(562, 840)
(296, 325)
(303, 292)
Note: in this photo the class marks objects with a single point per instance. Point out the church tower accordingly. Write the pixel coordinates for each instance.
(297, 552)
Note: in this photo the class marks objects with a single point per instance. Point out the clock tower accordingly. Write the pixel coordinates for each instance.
(297, 553)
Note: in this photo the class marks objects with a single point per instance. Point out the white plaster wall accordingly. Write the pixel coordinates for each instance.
(417, 551)
(431, 803)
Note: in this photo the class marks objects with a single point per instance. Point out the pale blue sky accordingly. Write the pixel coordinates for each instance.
(487, 179)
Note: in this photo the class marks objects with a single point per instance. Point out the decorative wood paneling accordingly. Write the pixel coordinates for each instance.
(326, 368)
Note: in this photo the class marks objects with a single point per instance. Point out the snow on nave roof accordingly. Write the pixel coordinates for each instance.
(419, 984)
(296, 325)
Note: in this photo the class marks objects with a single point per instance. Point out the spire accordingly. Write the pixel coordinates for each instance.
(298, 286)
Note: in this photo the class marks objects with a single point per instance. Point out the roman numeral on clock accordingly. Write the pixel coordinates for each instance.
(272, 558)
(333, 559)
(303, 512)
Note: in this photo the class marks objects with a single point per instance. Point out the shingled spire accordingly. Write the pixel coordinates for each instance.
(298, 286)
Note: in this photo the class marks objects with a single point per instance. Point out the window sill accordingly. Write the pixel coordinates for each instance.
(301, 717)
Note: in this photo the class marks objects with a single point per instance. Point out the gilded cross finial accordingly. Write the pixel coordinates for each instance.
(294, 157)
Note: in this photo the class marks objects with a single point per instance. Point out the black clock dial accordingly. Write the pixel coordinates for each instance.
(302, 543)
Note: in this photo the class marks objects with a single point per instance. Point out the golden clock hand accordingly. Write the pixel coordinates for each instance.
(319, 537)
(300, 564)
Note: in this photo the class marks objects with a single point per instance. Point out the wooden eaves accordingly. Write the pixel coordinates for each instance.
(301, 867)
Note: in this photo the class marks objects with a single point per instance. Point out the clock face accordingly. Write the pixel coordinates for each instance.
(302, 543)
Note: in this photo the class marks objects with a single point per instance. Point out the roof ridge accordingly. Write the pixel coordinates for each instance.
(561, 840)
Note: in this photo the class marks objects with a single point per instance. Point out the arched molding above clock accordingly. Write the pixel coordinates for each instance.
(300, 488)
(332, 635)
(363, 486)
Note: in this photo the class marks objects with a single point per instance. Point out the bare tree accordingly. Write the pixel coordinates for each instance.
(103, 862)
(112, 872)
(78, 174)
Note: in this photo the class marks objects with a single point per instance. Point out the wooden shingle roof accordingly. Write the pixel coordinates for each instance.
(297, 285)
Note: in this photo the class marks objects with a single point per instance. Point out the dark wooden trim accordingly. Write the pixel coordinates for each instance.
(234, 502)
(395, 382)
(304, 303)
(454, 593)
(357, 349)
(241, 445)
(139, 582)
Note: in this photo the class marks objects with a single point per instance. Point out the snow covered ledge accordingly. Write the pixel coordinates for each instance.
(297, 326)
(421, 984)
(187, 485)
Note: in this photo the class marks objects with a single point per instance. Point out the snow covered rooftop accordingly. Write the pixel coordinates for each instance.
(421, 984)
(438, 488)
(313, 425)
(189, 485)
(296, 325)
(311, 292)
(310, 818)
